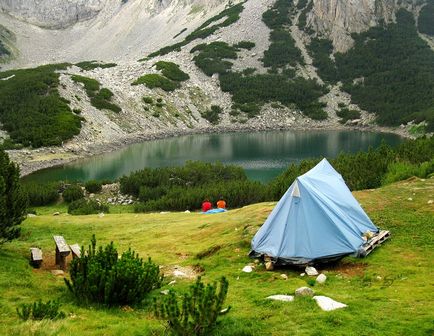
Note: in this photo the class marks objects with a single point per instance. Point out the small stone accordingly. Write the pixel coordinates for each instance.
(179, 274)
(165, 292)
(31, 215)
(269, 266)
(286, 298)
(311, 271)
(409, 199)
(321, 278)
(171, 283)
(304, 291)
(101, 215)
(57, 272)
(328, 304)
(302, 274)
(187, 211)
(430, 202)
(284, 276)
(57, 213)
(247, 269)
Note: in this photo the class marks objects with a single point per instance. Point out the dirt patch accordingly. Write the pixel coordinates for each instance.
(182, 272)
(349, 268)
(208, 252)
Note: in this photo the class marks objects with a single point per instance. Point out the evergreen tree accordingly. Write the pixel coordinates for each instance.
(13, 200)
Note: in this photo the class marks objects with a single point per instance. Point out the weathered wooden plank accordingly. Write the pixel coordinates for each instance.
(61, 245)
(76, 250)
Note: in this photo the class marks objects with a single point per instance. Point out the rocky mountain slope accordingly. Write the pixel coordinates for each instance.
(124, 31)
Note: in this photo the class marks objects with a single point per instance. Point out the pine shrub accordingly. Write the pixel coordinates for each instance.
(93, 186)
(100, 276)
(40, 194)
(73, 193)
(198, 311)
(40, 310)
(87, 207)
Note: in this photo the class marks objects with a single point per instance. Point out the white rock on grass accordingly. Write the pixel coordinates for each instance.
(304, 291)
(179, 274)
(247, 269)
(311, 271)
(286, 298)
(328, 304)
(321, 278)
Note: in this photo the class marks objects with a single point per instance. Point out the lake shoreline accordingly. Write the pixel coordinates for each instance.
(32, 160)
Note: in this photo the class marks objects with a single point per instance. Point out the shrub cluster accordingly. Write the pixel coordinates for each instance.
(211, 57)
(40, 310)
(426, 19)
(346, 114)
(87, 207)
(90, 65)
(230, 16)
(72, 193)
(157, 81)
(31, 109)
(198, 310)
(100, 98)
(172, 71)
(40, 194)
(213, 114)
(245, 45)
(93, 186)
(101, 276)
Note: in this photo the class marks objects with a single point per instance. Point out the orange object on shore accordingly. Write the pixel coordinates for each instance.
(221, 204)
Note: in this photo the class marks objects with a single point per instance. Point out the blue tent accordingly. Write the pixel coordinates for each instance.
(317, 220)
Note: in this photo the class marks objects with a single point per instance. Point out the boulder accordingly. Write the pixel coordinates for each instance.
(286, 298)
(328, 304)
(304, 291)
(321, 278)
(311, 271)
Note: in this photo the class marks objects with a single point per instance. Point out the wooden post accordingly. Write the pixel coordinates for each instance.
(62, 251)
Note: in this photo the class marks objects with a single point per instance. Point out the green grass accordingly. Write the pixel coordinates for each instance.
(90, 65)
(388, 293)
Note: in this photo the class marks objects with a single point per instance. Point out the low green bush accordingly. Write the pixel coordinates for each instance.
(157, 81)
(87, 207)
(245, 45)
(93, 186)
(101, 276)
(198, 310)
(148, 100)
(90, 65)
(40, 310)
(213, 114)
(40, 194)
(172, 71)
(346, 114)
(72, 193)
(398, 171)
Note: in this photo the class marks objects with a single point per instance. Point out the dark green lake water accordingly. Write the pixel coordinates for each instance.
(262, 154)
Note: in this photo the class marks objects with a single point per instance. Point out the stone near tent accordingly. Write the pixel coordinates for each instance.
(57, 213)
(247, 269)
(284, 276)
(430, 202)
(311, 271)
(328, 304)
(321, 278)
(58, 272)
(304, 291)
(31, 215)
(285, 298)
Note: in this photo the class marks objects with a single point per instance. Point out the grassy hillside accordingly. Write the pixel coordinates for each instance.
(388, 293)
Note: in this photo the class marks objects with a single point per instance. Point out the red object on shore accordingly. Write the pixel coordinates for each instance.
(206, 206)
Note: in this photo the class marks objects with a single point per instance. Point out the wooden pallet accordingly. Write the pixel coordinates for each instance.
(376, 241)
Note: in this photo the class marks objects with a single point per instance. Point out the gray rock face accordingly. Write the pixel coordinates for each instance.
(337, 19)
(52, 13)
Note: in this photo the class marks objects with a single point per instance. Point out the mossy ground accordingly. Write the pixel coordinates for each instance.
(388, 293)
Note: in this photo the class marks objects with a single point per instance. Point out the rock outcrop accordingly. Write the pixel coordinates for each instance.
(337, 19)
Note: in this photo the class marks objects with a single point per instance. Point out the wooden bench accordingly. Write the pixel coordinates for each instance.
(76, 251)
(62, 251)
(35, 257)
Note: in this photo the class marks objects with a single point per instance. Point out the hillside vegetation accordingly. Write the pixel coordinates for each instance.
(31, 109)
(388, 293)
